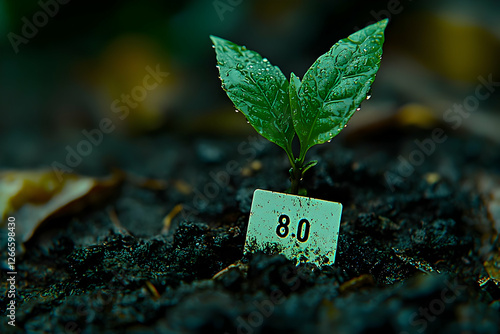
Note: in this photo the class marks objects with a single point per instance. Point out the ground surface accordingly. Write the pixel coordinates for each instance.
(414, 258)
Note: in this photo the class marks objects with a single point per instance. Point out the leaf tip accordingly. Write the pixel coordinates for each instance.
(216, 40)
(294, 80)
(383, 23)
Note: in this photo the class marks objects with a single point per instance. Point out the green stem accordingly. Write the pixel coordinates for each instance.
(289, 153)
(294, 190)
(296, 176)
(297, 172)
(302, 154)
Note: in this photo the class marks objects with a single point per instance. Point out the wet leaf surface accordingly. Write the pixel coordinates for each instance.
(335, 85)
(257, 88)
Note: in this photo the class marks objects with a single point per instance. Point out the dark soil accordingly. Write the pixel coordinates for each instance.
(411, 259)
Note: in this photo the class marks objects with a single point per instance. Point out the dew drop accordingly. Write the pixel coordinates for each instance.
(236, 110)
(358, 109)
(369, 95)
(213, 46)
(264, 60)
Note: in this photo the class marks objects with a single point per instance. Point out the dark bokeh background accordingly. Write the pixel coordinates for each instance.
(64, 79)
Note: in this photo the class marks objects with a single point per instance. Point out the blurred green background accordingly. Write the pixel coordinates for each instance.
(85, 54)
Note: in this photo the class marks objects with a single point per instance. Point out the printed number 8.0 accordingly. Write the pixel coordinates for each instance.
(302, 229)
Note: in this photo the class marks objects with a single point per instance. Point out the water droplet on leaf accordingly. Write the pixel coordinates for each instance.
(369, 95)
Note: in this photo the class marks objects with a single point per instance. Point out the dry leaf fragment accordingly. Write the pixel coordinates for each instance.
(32, 197)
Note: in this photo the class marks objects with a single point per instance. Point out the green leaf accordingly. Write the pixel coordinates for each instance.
(310, 164)
(335, 85)
(293, 91)
(258, 89)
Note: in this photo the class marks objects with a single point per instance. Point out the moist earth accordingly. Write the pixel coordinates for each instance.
(417, 250)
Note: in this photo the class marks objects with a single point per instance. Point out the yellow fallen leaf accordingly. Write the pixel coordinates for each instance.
(32, 197)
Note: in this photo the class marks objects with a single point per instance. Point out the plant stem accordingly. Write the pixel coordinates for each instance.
(295, 177)
(294, 190)
(296, 174)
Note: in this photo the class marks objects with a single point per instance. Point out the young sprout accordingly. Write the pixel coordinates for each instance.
(315, 109)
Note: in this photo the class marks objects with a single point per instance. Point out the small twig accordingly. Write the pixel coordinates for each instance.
(116, 222)
(167, 221)
(238, 264)
(152, 290)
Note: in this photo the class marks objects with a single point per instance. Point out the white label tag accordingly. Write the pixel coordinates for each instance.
(302, 228)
